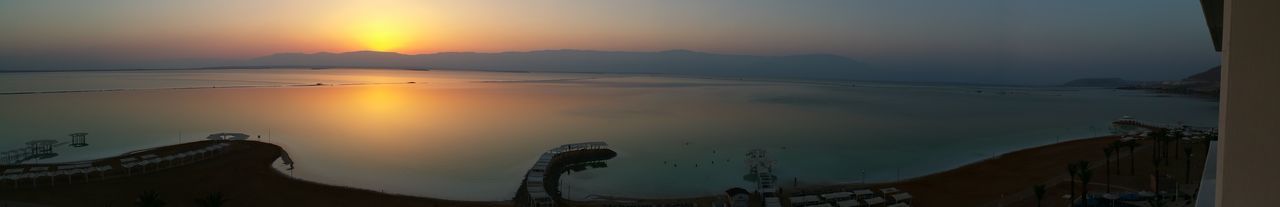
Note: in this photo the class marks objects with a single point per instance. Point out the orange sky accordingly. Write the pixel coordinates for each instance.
(938, 35)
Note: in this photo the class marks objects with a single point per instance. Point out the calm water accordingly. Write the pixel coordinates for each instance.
(471, 135)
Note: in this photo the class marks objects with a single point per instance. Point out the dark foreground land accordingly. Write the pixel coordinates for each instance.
(244, 175)
(1007, 180)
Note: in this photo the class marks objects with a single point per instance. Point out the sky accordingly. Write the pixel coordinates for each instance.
(992, 41)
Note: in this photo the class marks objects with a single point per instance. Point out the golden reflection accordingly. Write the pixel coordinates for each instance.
(379, 101)
(381, 117)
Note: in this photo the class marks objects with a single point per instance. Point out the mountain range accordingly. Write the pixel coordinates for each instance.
(1207, 83)
(663, 62)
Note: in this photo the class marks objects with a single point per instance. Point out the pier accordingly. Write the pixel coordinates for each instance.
(27, 176)
(540, 187)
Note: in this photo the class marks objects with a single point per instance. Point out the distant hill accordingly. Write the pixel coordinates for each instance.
(1212, 75)
(666, 62)
(1207, 83)
(1099, 82)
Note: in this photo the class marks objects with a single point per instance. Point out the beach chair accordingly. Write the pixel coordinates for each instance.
(863, 194)
(772, 202)
(902, 198)
(874, 201)
(102, 170)
(849, 203)
(837, 196)
(889, 191)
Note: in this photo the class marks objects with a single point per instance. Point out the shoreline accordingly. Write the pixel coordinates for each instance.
(256, 159)
(243, 173)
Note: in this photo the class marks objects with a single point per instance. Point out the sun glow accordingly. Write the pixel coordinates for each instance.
(384, 36)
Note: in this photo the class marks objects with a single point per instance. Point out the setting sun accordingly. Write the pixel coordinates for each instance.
(384, 36)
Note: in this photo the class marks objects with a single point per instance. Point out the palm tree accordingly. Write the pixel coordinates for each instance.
(1071, 170)
(1156, 202)
(1115, 149)
(1039, 190)
(1108, 151)
(1132, 158)
(1177, 142)
(1155, 163)
(1187, 173)
(149, 199)
(212, 200)
(1174, 136)
(1085, 176)
(1158, 136)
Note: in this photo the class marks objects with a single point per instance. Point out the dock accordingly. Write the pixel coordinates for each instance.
(539, 188)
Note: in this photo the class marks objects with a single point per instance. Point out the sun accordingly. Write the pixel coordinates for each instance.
(384, 36)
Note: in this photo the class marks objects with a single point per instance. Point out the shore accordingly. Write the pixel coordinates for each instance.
(245, 176)
(1007, 180)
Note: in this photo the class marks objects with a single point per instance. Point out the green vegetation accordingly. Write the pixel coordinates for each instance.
(1108, 151)
(1071, 170)
(212, 200)
(149, 199)
(1039, 190)
(1085, 176)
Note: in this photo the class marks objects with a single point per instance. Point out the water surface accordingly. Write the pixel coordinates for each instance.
(471, 135)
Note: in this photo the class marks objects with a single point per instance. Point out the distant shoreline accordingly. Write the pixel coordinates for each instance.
(973, 84)
(192, 88)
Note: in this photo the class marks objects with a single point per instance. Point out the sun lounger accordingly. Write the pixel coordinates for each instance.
(874, 201)
(804, 199)
(864, 193)
(836, 195)
(889, 191)
(849, 203)
(14, 171)
(901, 197)
(772, 202)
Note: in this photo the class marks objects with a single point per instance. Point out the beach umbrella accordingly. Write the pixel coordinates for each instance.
(128, 168)
(33, 177)
(102, 171)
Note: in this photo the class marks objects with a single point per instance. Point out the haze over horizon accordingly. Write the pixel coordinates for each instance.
(985, 42)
